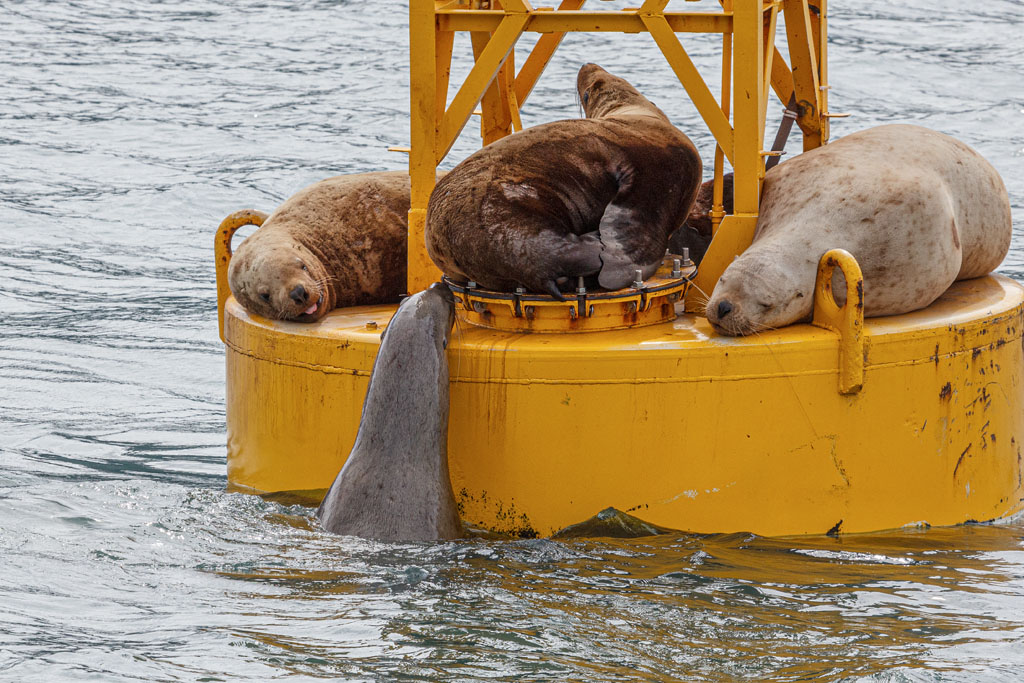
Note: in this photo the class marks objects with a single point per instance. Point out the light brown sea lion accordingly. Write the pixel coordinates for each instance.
(339, 242)
(916, 208)
(395, 484)
(595, 197)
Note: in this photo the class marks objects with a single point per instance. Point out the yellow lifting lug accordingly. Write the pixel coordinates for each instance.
(846, 319)
(222, 255)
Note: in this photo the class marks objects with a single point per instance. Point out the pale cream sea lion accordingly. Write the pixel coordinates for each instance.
(395, 484)
(595, 197)
(916, 208)
(339, 242)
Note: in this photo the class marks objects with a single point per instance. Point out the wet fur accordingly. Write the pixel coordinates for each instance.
(349, 231)
(916, 208)
(395, 484)
(595, 197)
(696, 234)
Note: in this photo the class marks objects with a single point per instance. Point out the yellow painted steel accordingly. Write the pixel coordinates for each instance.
(649, 302)
(222, 254)
(846, 318)
(682, 427)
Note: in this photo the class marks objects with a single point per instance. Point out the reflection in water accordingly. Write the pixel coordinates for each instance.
(130, 129)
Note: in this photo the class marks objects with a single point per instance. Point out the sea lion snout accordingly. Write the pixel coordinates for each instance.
(604, 94)
(760, 292)
(438, 295)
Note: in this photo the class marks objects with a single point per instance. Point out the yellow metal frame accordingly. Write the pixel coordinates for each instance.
(752, 66)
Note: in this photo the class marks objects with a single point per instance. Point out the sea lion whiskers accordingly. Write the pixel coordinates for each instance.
(703, 299)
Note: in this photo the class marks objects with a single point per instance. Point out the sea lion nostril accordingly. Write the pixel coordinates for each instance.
(724, 309)
(299, 294)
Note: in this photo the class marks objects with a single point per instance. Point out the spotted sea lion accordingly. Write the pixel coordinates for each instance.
(339, 242)
(916, 208)
(596, 197)
(395, 485)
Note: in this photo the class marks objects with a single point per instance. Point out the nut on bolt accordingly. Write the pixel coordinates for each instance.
(639, 281)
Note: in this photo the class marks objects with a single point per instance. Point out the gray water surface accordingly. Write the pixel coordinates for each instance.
(129, 129)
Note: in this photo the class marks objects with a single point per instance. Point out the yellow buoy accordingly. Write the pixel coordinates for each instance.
(842, 425)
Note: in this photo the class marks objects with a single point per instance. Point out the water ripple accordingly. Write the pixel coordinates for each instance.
(129, 129)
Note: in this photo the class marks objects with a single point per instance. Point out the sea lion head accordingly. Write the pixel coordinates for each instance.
(603, 94)
(761, 290)
(277, 277)
(438, 303)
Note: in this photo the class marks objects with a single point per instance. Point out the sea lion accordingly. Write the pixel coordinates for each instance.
(916, 208)
(595, 197)
(339, 242)
(395, 485)
(696, 233)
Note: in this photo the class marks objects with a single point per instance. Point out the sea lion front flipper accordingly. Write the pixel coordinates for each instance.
(553, 290)
(618, 228)
(560, 259)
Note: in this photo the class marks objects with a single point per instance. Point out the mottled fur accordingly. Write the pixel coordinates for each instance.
(395, 485)
(349, 232)
(916, 208)
(588, 197)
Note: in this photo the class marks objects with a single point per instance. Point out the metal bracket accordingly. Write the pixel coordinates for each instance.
(846, 320)
(222, 255)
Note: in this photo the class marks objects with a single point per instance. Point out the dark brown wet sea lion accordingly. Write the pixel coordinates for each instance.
(395, 485)
(916, 208)
(696, 234)
(587, 197)
(340, 242)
